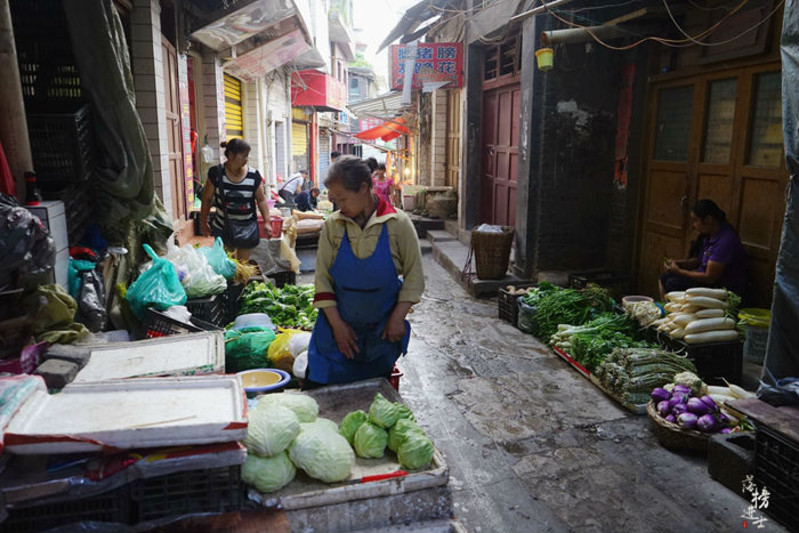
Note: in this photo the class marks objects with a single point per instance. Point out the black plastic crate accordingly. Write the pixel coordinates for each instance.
(715, 361)
(776, 467)
(160, 325)
(62, 145)
(617, 284)
(508, 307)
(210, 309)
(232, 297)
(215, 490)
(113, 506)
(283, 278)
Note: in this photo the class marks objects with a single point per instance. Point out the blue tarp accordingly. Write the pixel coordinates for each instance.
(782, 352)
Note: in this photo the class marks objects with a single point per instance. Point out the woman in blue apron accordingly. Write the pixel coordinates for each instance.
(368, 275)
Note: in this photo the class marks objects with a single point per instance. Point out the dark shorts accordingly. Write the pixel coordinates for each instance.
(675, 282)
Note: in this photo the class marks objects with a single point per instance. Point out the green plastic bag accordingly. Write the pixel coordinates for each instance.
(218, 259)
(247, 348)
(158, 286)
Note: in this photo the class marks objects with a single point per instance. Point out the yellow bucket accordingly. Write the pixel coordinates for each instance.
(544, 56)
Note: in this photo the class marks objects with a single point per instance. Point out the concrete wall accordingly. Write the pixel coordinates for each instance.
(148, 79)
(438, 163)
(213, 112)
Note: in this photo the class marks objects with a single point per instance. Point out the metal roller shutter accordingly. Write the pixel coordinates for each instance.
(234, 124)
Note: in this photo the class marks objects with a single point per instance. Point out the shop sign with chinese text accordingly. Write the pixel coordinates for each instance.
(434, 62)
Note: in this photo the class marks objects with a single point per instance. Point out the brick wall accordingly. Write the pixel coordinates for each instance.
(148, 79)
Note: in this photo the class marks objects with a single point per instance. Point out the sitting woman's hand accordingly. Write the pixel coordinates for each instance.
(394, 330)
(670, 266)
(346, 340)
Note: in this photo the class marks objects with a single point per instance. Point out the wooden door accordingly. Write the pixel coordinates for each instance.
(500, 152)
(453, 138)
(174, 137)
(716, 136)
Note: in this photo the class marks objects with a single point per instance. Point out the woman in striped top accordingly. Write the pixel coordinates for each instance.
(240, 188)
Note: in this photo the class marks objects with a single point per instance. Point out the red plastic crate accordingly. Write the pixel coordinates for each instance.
(394, 380)
(277, 227)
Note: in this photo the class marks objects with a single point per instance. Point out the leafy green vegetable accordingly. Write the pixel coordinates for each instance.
(270, 431)
(370, 441)
(382, 412)
(302, 405)
(400, 431)
(415, 452)
(291, 306)
(268, 474)
(350, 424)
(322, 454)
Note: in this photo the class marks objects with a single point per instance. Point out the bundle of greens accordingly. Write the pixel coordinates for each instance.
(569, 306)
(592, 342)
(290, 307)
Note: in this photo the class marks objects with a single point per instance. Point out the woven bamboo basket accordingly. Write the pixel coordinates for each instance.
(673, 437)
(492, 252)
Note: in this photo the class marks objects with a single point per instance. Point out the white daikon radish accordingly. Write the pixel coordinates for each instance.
(689, 308)
(657, 323)
(738, 392)
(709, 313)
(721, 398)
(707, 303)
(672, 307)
(678, 333)
(683, 319)
(675, 295)
(710, 324)
(712, 336)
(718, 294)
(716, 389)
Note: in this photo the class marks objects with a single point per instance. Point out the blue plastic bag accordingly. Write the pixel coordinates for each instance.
(218, 259)
(158, 286)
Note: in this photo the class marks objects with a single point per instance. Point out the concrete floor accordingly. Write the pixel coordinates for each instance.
(533, 446)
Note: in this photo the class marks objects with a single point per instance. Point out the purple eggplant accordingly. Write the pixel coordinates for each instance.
(678, 398)
(663, 408)
(707, 423)
(724, 419)
(726, 430)
(679, 409)
(707, 400)
(682, 389)
(697, 406)
(660, 394)
(671, 418)
(687, 420)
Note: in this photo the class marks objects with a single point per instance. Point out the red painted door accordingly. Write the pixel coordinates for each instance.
(500, 154)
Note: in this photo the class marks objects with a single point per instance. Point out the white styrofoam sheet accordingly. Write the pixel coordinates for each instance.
(193, 353)
(130, 414)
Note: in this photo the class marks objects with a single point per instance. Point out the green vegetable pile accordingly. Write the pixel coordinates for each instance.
(592, 342)
(565, 306)
(388, 425)
(289, 307)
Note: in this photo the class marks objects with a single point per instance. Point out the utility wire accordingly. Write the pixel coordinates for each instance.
(720, 43)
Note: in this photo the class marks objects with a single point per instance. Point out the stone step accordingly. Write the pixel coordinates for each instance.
(439, 235)
(423, 225)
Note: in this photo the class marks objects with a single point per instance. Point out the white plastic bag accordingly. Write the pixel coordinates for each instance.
(196, 275)
(299, 343)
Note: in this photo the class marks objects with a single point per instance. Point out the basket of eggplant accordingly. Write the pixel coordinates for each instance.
(684, 417)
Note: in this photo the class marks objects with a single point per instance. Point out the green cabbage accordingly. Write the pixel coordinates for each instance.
(268, 474)
(370, 441)
(403, 411)
(321, 423)
(415, 451)
(303, 406)
(323, 454)
(270, 431)
(399, 432)
(350, 424)
(382, 412)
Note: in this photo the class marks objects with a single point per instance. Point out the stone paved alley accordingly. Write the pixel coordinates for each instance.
(534, 447)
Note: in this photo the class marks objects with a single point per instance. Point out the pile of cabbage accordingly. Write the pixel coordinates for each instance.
(687, 404)
(388, 425)
(285, 433)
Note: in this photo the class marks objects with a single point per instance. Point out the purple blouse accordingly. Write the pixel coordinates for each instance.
(726, 247)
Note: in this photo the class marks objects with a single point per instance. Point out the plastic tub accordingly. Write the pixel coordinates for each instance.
(636, 298)
(544, 56)
(260, 380)
(258, 320)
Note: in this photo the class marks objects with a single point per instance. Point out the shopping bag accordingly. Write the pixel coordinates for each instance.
(158, 286)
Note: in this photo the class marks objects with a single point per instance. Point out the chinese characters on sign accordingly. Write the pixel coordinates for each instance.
(434, 62)
(759, 500)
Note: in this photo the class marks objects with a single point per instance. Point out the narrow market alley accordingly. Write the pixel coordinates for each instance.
(531, 445)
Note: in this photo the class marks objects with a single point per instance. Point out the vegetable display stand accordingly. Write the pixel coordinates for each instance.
(492, 252)
(715, 361)
(283, 278)
(420, 496)
(673, 437)
(210, 309)
(232, 299)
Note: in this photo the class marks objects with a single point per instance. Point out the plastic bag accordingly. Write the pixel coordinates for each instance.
(299, 343)
(279, 354)
(25, 244)
(218, 259)
(159, 286)
(199, 279)
(91, 301)
(247, 348)
(526, 321)
(785, 392)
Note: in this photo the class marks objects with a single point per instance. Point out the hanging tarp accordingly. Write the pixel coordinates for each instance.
(782, 353)
(123, 182)
(388, 131)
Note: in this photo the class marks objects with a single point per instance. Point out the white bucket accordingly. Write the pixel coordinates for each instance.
(408, 202)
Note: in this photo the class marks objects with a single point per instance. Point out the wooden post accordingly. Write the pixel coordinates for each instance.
(13, 124)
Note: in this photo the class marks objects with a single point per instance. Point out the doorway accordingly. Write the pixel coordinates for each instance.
(174, 137)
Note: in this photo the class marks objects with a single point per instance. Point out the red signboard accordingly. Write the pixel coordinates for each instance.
(435, 62)
(317, 89)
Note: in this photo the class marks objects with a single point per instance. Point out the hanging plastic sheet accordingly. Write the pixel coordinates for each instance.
(123, 180)
(782, 352)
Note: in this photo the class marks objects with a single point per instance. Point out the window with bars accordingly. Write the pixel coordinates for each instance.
(717, 138)
(503, 60)
(674, 123)
(766, 145)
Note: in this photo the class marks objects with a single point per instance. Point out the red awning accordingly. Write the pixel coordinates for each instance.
(387, 131)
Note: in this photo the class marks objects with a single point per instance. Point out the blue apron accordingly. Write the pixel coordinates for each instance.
(366, 294)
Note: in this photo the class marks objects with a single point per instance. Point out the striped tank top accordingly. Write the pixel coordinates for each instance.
(239, 197)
